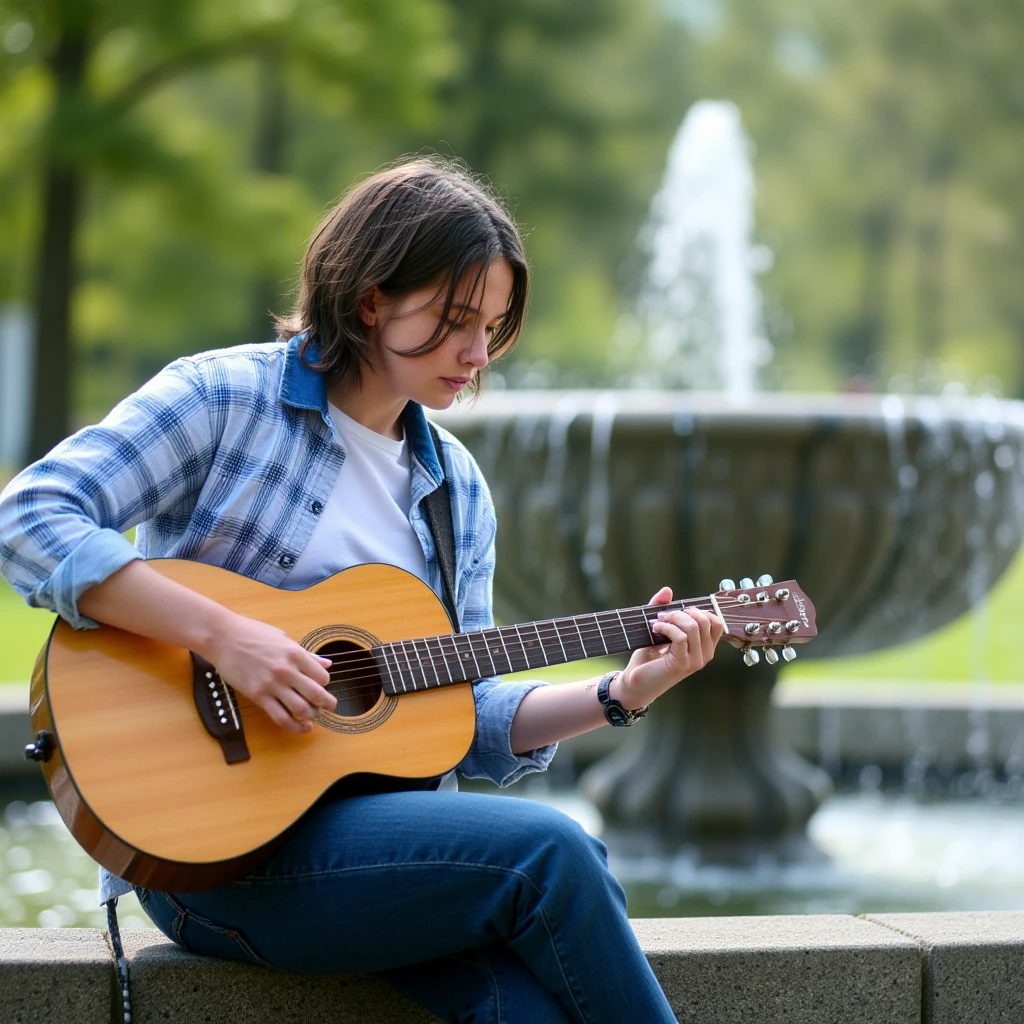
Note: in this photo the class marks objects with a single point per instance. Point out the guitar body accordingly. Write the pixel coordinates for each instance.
(147, 790)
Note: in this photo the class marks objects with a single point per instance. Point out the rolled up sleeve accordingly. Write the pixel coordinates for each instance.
(491, 755)
(62, 519)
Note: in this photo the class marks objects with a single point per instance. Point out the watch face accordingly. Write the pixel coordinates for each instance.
(616, 715)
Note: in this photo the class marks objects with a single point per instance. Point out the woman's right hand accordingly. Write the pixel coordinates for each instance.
(273, 671)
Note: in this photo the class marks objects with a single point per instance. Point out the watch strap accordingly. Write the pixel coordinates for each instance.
(614, 712)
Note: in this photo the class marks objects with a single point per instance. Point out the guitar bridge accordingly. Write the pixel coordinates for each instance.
(218, 710)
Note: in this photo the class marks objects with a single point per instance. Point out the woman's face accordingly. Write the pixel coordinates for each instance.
(403, 325)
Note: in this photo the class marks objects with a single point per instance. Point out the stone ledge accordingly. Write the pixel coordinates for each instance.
(169, 984)
(973, 964)
(741, 970)
(786, 970)
(58, 975)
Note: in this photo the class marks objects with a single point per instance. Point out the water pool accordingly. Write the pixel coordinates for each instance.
(885, 852)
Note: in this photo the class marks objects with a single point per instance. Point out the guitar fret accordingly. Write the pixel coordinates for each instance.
(522, 643)
(583, 643)
(487, 648)
(647, 623)
(419, 661)
(398, 668)
(444, 657)
(508, 657)
(622, 626)
(540, 641)
(558, 636)
(571, 640)
(412, 678)
(464, 657)
(426, 647)
(611, 641)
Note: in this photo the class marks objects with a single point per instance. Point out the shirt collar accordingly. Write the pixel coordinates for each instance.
(304, 388)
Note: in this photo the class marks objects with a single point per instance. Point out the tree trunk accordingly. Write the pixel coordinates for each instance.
(863, 342)
(55, 274)
(269, 158)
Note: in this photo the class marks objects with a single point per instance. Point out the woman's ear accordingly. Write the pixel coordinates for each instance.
(371, 306)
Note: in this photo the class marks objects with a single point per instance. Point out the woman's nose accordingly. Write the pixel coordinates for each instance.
(476, 355)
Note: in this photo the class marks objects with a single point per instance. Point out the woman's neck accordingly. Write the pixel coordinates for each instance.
(377, 411)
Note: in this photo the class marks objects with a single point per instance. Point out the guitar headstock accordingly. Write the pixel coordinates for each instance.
(765, 614)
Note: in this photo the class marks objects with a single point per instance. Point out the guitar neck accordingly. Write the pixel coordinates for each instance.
(429, 662)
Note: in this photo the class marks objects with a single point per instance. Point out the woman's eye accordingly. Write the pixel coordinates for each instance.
(456, 325)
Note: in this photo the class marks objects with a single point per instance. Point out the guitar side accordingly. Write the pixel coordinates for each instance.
(146, 790)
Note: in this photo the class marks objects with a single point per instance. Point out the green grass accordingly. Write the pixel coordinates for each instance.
(23, 631)
(983, 644)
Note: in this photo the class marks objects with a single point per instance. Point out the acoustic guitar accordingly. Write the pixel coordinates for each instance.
(172, 780)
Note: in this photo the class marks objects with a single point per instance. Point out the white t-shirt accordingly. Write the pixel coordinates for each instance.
(366, 518)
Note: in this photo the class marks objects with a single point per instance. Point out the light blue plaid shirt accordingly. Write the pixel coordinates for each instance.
(229, 457)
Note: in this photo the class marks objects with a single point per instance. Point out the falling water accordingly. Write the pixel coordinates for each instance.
(700, 304)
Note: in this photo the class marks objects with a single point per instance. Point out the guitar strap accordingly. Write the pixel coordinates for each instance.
(438, 507)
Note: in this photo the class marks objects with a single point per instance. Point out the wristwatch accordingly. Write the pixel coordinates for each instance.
(614, 712)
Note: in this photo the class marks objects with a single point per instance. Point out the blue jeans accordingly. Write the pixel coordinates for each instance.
(480, 908)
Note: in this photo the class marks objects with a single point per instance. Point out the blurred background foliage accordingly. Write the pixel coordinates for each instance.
(162, 163)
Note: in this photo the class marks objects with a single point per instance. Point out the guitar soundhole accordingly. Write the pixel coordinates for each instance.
(355, 678)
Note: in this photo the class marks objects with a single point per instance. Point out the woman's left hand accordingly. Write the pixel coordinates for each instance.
(690, 636)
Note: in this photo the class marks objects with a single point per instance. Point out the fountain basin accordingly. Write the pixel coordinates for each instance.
(894, 514)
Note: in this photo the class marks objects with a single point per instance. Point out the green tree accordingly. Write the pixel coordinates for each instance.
(103, 60)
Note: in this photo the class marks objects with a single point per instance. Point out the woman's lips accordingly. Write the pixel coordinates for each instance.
(455, 383)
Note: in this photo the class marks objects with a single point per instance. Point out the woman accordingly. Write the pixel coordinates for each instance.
(289, 462)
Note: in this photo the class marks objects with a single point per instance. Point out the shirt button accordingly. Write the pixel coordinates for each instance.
(287, 561)
(316, 508)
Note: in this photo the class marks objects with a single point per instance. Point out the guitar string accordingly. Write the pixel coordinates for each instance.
(347, 674)
(545, 629)
(354, 661)
(249, 709)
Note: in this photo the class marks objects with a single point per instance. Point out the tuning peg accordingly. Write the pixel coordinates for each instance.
(765, 580)
(788, 653)
(771, 656)
(727, 584)
(746, 583)
(751, 657)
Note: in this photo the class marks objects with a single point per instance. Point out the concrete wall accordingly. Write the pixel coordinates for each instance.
(879, 969)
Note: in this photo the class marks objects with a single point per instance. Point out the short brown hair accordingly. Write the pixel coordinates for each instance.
(422, 222)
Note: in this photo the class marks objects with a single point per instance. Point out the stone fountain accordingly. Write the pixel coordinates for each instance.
(894, 514)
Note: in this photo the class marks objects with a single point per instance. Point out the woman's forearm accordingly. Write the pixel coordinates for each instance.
(139, 599)
(256, 658)
(548, 714)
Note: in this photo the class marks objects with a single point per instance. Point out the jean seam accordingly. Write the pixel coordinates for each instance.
(232, 934)
(483, 961)
(570, 986)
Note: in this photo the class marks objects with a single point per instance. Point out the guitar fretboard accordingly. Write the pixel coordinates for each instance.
(428, 662)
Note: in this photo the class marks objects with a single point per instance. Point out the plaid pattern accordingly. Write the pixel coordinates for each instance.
(222, 458)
